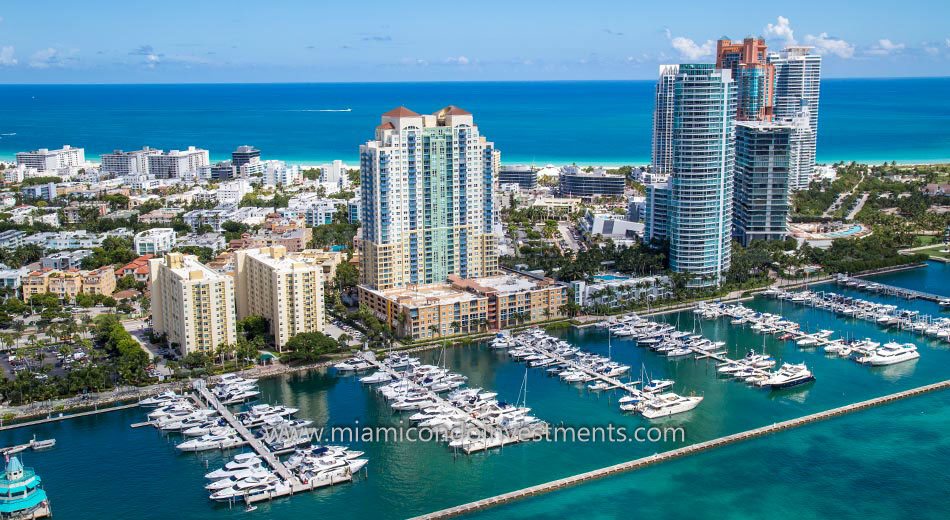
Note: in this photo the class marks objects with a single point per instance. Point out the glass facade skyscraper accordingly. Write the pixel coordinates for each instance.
(797, 86)
(766, 153)
(701, 189)
(662, 149)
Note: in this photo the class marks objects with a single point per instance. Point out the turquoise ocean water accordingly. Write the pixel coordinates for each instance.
(602, 122)
(876, 463)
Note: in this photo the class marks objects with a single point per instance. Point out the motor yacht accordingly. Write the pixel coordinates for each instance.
(376, 377)
(212, 442)
(665, 405)
(161, 399)
(657, 385)
(789, 375)
(890, 354)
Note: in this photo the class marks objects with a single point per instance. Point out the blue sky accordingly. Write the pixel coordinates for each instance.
(100, 41)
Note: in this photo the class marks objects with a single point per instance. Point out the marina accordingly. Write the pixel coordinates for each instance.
(392, 488)
(855, 282)
(864, 351)
(470, 420)
(260, 475)
(885, 315)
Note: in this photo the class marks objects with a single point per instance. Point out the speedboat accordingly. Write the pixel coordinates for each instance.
(657, 385)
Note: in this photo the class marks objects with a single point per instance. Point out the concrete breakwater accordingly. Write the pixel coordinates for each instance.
(678, 453)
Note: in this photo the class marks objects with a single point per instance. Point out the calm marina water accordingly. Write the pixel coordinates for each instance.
(530, 122)
(102, 468)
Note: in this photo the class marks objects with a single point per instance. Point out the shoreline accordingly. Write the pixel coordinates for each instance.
(305, 163)
(120, 398)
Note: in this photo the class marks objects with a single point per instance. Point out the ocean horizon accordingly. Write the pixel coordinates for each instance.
(604, 122)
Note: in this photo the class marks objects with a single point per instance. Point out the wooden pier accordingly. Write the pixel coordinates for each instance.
(677, 453)
(854, 282)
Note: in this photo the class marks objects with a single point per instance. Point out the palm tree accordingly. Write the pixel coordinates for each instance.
(434, 330)
(456, 326)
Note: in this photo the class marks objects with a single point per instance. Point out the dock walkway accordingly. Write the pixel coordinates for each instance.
(677, 453)
(854, 282)
(492, 437)
(262, 451)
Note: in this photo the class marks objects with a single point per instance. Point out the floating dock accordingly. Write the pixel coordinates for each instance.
(492, 436)
(677, 453)
(853, 282)
(294, 485)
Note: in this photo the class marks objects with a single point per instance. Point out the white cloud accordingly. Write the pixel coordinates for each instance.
(7, 58)
(884, 47)
(781, 30)
(457, 60)
(825, 44)
(688, 48)
(947, 41)
(44, 59)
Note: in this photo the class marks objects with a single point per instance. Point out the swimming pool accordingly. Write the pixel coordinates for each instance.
(853, 230)
(609, 277)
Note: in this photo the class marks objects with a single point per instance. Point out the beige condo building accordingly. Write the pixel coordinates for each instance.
(285, 288)
(426, 200)
(192, 304)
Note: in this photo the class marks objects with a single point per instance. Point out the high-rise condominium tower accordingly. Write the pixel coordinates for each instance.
(426, 193)
(700, 199)
(663, 120)
(766, 155)
(192, 304)
(752, 74)
(797, 84)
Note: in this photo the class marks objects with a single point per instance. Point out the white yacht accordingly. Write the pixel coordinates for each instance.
(890, 354)
(376, 377)
(668, 404)
(789, 375)
(354, 364)
(657, 385)
(161, 399)
(230, 481)
(212, 442)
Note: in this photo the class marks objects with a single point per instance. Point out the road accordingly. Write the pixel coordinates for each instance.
(858, 206)
(837, 203)
(567, 236)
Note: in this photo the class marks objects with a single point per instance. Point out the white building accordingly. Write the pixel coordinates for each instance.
(127, 163)
(232, 192)
(277, 173)
(155, 241)
(614, 227)
(80, 239)
(141, 182)
(615, 289)
(797, 87)
(46, 160)
(178, 163)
